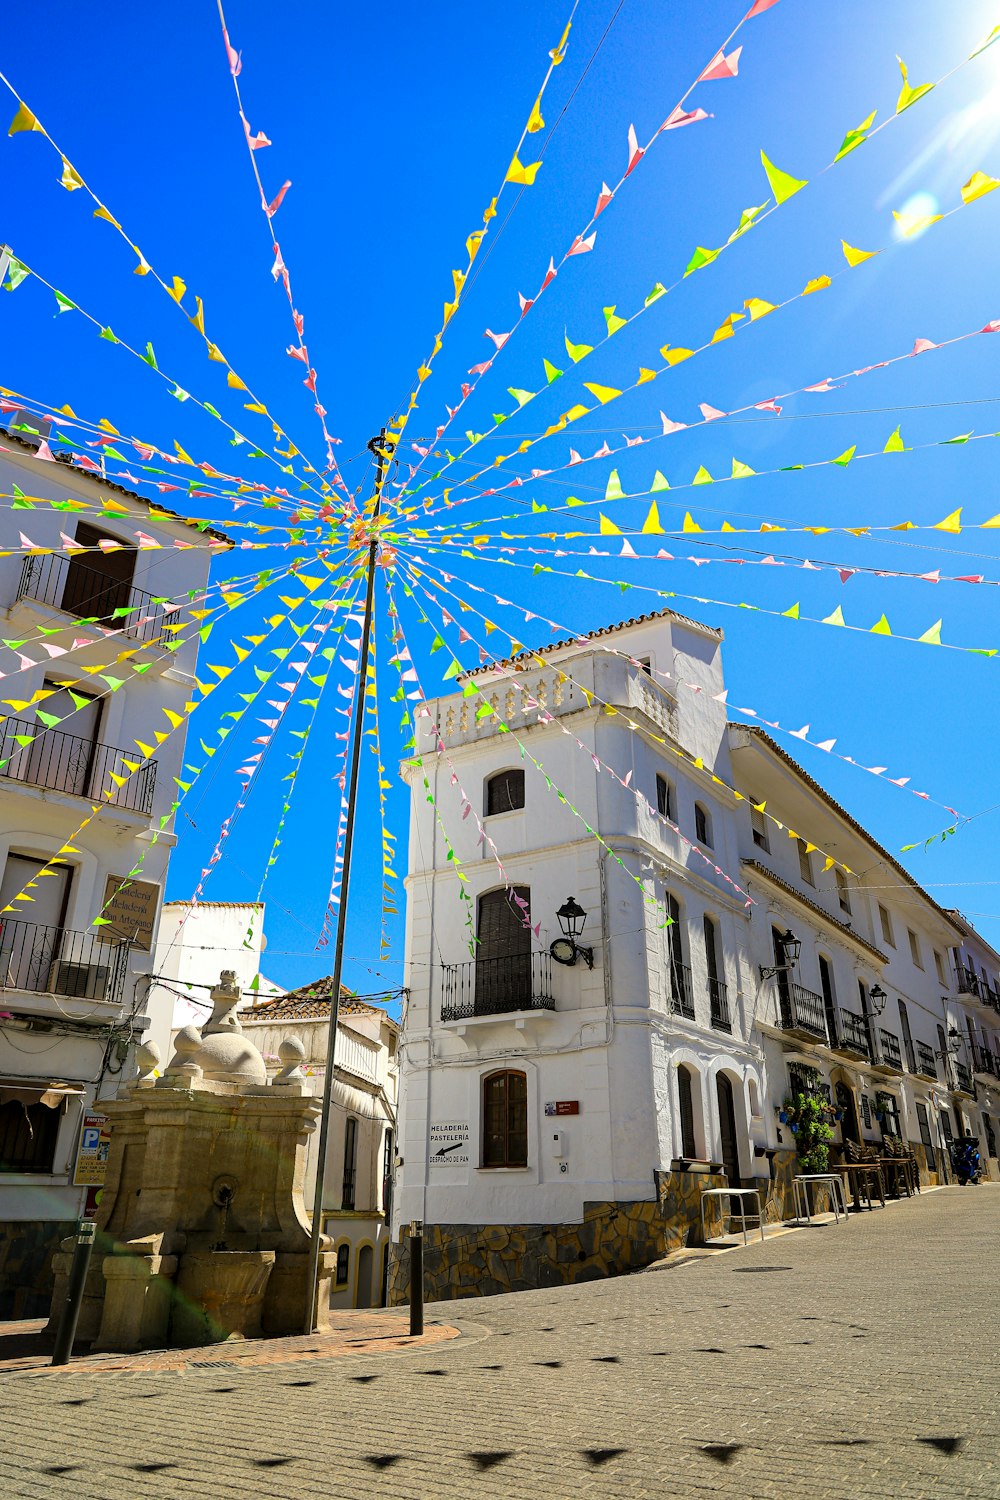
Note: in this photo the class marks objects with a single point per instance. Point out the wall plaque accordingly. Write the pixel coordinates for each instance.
(130, 907)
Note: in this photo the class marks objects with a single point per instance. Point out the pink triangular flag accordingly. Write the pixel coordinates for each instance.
(722, 66)
(710, 413)
(603, 199)
(669, 426)
(278, 199)
(920, 346)
(635, 151)
(678, 117)
(580, 246)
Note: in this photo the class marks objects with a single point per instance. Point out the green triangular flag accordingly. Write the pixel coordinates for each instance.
(783, 186)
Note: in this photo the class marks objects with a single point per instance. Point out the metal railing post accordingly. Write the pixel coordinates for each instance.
(86, 1231)
(416, 1278)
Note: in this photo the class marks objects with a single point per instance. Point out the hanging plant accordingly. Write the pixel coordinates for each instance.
(809, 1115)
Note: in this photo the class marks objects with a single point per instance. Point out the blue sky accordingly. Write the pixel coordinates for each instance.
(395, 126)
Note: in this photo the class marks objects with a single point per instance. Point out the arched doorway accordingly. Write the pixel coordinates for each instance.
(727, 1127)
(849, 1119)
(365, 1260)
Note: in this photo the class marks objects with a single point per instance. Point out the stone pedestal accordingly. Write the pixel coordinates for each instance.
(202, 1230)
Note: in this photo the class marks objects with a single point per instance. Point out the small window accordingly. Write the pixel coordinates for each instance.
(505, 792)
(702, 826)
(343, 1263)
(28, 1136)
(843, 893)
(805, 862)
(666, 804)
(883, 917)
(758, 825)
(505, 1120)
(939, 968)
(646, 663)
(924, 1125)
(914, 948)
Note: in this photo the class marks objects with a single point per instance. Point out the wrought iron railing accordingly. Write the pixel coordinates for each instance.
(88, 594)
(985, 1061)
(494, 986)
(71, 763)
(925, 1062)
(890, 1053)
(968, 980)
(718, 997)
(681, 990)
(963, 1079)
(53, 961)
(803, 1010)
(853, 1033)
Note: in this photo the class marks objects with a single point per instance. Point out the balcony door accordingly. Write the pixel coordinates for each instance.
(829, 1000)
(98, 583)
(29, 948)
(503, 953)
(727, 1127)
(63, 759)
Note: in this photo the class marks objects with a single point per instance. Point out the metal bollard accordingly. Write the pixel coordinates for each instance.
(416, 1278)
(85, 1232)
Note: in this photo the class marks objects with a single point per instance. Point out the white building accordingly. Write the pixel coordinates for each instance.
(193, 942)
(562, 1098)
(974, 1013)
(73, 995)
(871, 1000)
(535, 1093)
(357, 1191)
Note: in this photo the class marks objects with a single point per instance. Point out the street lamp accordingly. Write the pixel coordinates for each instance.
(878, 997)
(566, 950)
(790, 947)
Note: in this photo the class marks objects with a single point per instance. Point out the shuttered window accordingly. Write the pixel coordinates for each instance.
(505, 792)
(505, 1119)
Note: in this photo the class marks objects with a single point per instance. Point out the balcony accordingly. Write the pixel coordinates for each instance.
(52, 961)
(496, 986)
(963, 1081)
(924, 1062)
(71, 763)
(88, 594)
(985, 1063)
(890, 1056)
(803, 1013)
(681, 990)
(852, 1035)
(968, 980)
(719, 1005)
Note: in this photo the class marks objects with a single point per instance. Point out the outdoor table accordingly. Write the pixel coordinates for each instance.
(800, 1189)
(733, 1192)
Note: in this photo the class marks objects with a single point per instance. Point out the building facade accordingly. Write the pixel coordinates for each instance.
(565, 1096)
(357, 1190)
(80, 806)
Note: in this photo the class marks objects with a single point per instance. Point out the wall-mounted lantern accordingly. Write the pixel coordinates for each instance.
(790, 950)
(566, 950)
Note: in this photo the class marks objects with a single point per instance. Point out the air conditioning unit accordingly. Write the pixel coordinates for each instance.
(79, 981)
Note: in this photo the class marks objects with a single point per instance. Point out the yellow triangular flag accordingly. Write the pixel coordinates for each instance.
(837, 618)
(951, 523)
(524, 176)
(177, 290)
(853, 256)
(70, 179)
(690, 524)
(608, 528)
(23, 120)
(881, 627)
(978, 186)
(932, 637)
(651, 526)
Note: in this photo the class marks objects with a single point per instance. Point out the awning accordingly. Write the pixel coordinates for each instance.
(37, 1091)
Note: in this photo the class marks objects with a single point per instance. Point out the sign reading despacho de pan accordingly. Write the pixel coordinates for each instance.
(130, 909)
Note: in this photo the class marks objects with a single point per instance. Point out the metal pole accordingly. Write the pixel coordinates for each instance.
(85, 1232)
(416, 1278)
(377, 446)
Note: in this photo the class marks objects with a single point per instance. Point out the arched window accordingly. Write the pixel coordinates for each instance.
(505, 792)
(702, 825)
(503, 952)
(343, 1263)
(686, 1103)
(505, 1119)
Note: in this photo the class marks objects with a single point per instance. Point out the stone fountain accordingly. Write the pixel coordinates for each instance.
(202, 1221)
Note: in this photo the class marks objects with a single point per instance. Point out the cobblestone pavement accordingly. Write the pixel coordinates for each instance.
(859, 1361)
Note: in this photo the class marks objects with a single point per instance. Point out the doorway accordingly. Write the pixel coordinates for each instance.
(503, 952)
(365, 1263)
(29, 949)
(727, 1127)
(849, 1120)
(63, 759)
(98, 582)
